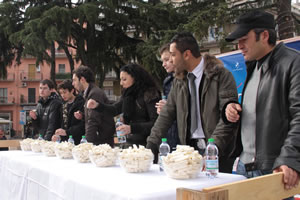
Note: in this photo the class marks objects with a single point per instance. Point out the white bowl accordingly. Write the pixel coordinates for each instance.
(48, 148)
(103, 155)
(81, 152)
(26, 144)
(64, 150)
(184, 163)
(135, 159)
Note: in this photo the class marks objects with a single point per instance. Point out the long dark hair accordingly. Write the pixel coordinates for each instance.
(142, 79)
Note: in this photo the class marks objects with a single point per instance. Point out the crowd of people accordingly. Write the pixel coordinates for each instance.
(201, 103)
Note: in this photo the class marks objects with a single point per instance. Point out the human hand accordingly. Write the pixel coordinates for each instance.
(232, 112)
(92, 104)
(60, 131)
(159, 105)
(55, 138)
(78, 115)
(32, 114)
(126, 129)
(290, 176)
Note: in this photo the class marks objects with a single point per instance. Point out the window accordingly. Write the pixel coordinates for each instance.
(61, 68)
(31, 95)
(3, 95)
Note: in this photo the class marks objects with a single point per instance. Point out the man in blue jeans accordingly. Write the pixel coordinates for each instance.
(269, 115)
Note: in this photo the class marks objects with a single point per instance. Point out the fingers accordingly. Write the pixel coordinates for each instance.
(32, 114)
(290, 176)
(92, 104)
(231, 112)
(78, 115)
(54, 138)
(159, 105)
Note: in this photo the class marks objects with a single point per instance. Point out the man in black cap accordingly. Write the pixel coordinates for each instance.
(269, 115)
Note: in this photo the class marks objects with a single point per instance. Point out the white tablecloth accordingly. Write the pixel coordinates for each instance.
(33, 176)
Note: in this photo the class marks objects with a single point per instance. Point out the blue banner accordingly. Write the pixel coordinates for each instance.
(236, 64)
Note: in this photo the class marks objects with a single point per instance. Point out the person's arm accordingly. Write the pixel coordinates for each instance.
(107, 109)
(288, 161)
(163, 122)
(225, 133)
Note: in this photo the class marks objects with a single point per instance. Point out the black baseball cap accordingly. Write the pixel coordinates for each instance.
(251, 20)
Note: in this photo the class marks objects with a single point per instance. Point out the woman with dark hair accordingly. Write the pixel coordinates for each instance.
(137, 103)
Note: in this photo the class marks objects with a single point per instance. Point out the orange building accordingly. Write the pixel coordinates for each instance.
(19, 92)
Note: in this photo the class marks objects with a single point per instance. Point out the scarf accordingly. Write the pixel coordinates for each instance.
(129, 97)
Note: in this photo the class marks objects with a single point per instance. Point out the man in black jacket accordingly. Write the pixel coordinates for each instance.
(269, 115)
(72, 103)
(46, 118)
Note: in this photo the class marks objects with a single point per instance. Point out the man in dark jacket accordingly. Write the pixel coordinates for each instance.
(99, 128)
(269, 115)
(46, 118)
(214, 86)
(72, 103)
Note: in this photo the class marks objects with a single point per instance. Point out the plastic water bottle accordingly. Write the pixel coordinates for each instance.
(83, 140)
(71, 140)
(40, 137)
(212, 159)
(164, 149)
(121, 137)
(58, 138)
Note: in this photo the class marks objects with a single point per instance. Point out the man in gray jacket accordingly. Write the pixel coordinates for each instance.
(196, 102)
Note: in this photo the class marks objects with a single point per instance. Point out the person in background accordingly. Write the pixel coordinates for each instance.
(137, 103)
(72, 103)
(172, 136)
(2, 137)
(46, 118)
(269, 114)
(99, 128)
(201, 87)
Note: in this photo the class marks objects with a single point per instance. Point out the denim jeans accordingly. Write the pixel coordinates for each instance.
(251, 174)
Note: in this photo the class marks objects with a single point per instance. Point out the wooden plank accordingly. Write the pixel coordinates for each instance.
(10, 143)
(188, 194)
(259, 188)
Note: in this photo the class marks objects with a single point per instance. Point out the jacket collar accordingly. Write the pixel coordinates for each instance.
(212, 66)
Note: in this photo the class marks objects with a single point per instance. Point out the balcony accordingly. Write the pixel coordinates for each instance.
(7, 101)
(29, 76)
(28, 100)
(63, 76)
(8, 78)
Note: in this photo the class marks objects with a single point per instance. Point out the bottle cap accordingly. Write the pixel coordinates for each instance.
(211, 140)
(83, 136)
(70, 136)
(164, 97)
(163, 139)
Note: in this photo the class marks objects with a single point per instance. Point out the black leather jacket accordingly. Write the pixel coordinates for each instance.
(48, 116)
(277, 110)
